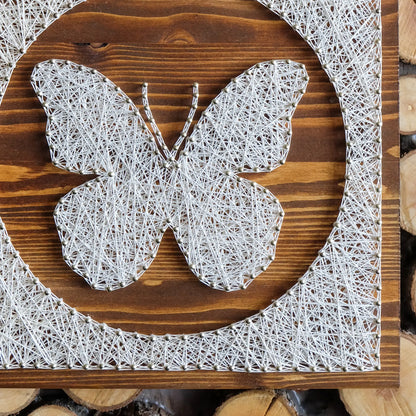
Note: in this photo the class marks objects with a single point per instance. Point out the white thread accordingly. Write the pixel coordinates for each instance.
(21, 22)
(111, 228)
(330, 320)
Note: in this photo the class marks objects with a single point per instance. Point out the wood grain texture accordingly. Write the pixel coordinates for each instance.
(170, 45)
(407, 30)
(256, 403)
(52, 411)
(407, 90)
(103, 399)
(387, 402)
(14, 400)
(408, 192)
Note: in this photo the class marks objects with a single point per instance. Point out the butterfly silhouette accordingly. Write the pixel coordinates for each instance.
(226, 226)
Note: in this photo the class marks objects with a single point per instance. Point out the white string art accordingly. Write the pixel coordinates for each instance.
(328, 321)
(227, 227)
(21, 22)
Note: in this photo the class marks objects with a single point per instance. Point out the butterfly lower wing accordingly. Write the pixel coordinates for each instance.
(111, 230)
(227, 228)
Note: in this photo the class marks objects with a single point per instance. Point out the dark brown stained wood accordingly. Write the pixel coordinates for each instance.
(168, 298)
(170, 45)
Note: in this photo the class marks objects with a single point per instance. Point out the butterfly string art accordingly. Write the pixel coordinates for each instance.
(226, 226)
(328, 321)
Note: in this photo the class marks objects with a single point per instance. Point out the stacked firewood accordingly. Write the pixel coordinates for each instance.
(71, 402)
(123, 402)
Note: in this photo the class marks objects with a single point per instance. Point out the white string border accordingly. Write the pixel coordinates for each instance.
(30, 340)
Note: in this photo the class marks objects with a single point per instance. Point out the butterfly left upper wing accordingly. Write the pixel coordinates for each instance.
(93, 126)
(228, 226)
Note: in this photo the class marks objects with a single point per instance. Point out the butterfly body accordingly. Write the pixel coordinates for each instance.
(226, 226)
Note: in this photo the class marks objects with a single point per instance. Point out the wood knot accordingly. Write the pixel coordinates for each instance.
(98, 45)
(178, 37)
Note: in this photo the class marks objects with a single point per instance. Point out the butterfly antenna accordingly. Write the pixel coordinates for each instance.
(190, 119)
(153, 124)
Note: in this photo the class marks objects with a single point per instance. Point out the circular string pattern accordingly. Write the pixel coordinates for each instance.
(329, 321)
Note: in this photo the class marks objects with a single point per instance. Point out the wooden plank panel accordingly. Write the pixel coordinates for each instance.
(170, 45)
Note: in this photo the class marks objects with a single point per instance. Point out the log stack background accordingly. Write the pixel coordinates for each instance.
(267, 402)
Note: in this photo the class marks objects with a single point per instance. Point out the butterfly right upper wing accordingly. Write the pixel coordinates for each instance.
(111, 227)
(247, 127)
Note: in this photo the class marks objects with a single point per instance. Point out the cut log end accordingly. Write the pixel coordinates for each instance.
(407, 30)
(387, 402)
(408, 103)
(257, 403)
(103, 399)
(408, 192)
(14, 400)
(52, 411)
